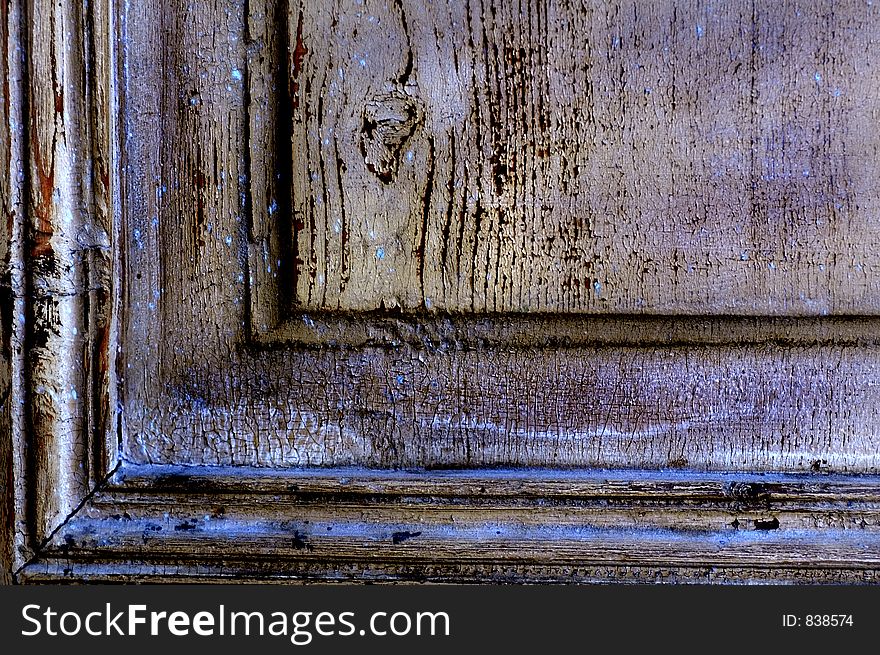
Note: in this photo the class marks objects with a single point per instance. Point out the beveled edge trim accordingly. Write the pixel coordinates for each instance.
(186, 524)
(66, 443)
(497, 483)
(464, 332)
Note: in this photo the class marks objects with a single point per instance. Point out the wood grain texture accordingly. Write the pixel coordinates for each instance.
(101, 254)
(13, 533)
(741, 408)
(469, 332)
(55, 285)
(203, 97)
(68, 254)
(186, 181)
(556, 156)
(191, 524)
(209, 239)
(57, 405)
(234, 426)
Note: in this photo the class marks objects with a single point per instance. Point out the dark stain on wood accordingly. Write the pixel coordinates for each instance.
(767, 524)
(43, 226)
(403, 535)
(7, 316)
(186, 526)
(749, 492)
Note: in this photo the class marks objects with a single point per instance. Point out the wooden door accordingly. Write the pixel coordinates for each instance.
(466, 290)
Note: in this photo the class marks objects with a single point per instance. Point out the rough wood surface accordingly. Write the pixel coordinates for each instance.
(605, 156)
(448, 332)
(741, 408)
(68, 255)
(57, 403)
(206, 95)
(212, 103)
(179, 524)
(13, 537)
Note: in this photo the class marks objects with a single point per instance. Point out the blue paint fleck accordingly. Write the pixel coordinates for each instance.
(400, 379)
(597, 287)
(380, 253)
(699, 30)
(236, 75)
(818, 77)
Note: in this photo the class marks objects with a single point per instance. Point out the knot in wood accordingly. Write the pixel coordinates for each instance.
(389, 120)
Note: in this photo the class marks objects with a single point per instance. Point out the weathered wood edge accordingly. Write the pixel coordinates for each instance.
(268, 160)
(153, 479)
(13, 542)
(107, 285)
(461, 332)
(186, 524)
(60, 268)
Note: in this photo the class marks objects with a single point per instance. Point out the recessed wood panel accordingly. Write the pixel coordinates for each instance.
(603, 156)
(217, 369)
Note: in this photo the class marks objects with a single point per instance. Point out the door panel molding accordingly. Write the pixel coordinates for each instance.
(80, 505)
(196, 523)
(60, 170)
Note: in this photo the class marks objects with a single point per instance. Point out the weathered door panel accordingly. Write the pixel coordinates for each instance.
(446, 231)
(599, 157)
(449, 291)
